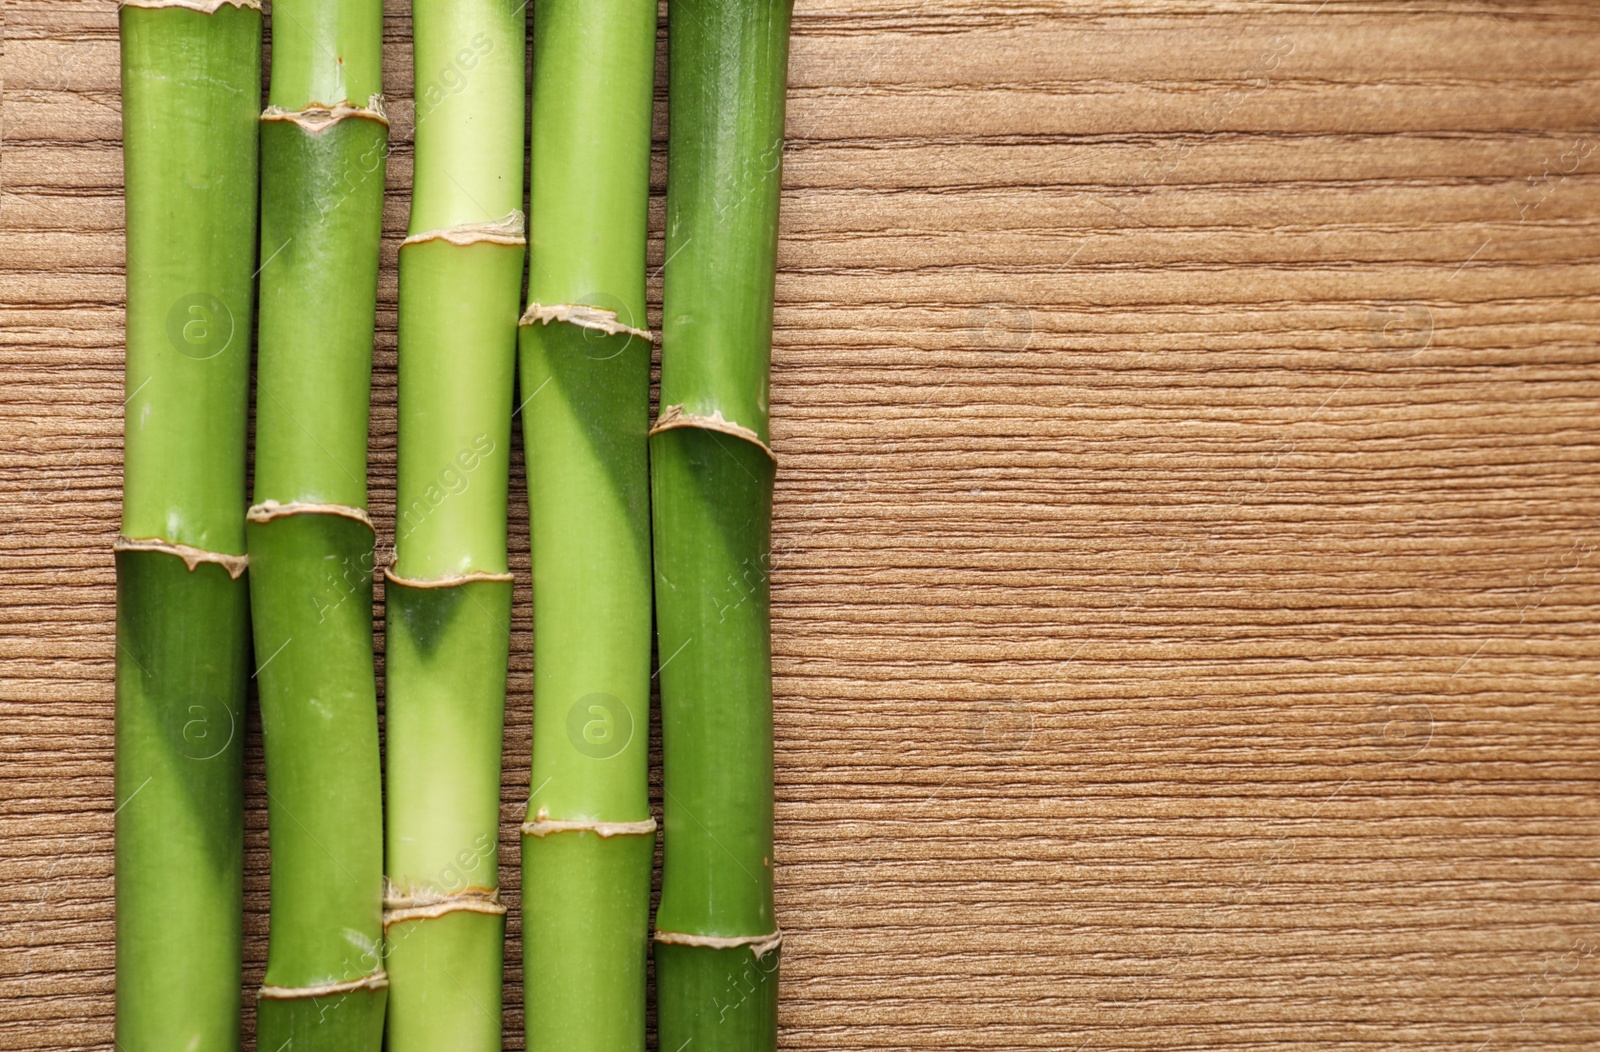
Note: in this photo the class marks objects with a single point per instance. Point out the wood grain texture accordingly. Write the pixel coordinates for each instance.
(1185, 578)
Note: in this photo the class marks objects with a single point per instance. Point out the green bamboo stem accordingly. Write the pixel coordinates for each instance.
(191, 81)
(589, 840)
(717, 944)
(448, 593)
(323, 145)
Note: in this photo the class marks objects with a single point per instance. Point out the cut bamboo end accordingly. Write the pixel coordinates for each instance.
(410, 904)
(317, 117)
(205, 7)
(760, 945)
(377, 981)
(191, 556)
(448, 581)
(507, 230)
(268, 510)
(540, 827)
(675, 416)
(584, 317)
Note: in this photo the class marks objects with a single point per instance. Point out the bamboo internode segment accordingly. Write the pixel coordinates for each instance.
(191, 556)
(447, 653)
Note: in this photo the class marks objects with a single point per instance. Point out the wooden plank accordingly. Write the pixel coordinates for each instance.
(1185, 566)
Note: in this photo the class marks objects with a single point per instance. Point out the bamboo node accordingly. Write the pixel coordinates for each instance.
(205, 7)
(760, 945)
(191, 556)
(268, 510)
(675, 416)
(377, 981)
(421, 903)
(585, 317)
(545, 826)
(447, 581)
(507, 230)
(316, 117)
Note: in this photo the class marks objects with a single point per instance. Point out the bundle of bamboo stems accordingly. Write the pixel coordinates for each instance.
(386, 924)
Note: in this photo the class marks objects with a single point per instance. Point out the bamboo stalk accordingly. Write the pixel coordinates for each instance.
(589, 840)
(323, 145)
(448, 592)
(716, 941)
(191, 81)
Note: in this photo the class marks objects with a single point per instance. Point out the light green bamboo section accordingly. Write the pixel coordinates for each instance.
(190, 98)
(323, 145)
(717, 945)
(589, 840)
(448, 595)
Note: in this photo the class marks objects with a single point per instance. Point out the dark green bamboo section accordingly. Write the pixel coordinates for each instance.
(717, 944)
(448, 596)
(589, 841)
(323, 146)
(191, 84)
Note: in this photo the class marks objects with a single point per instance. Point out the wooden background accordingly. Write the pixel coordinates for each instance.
(1185, 587)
